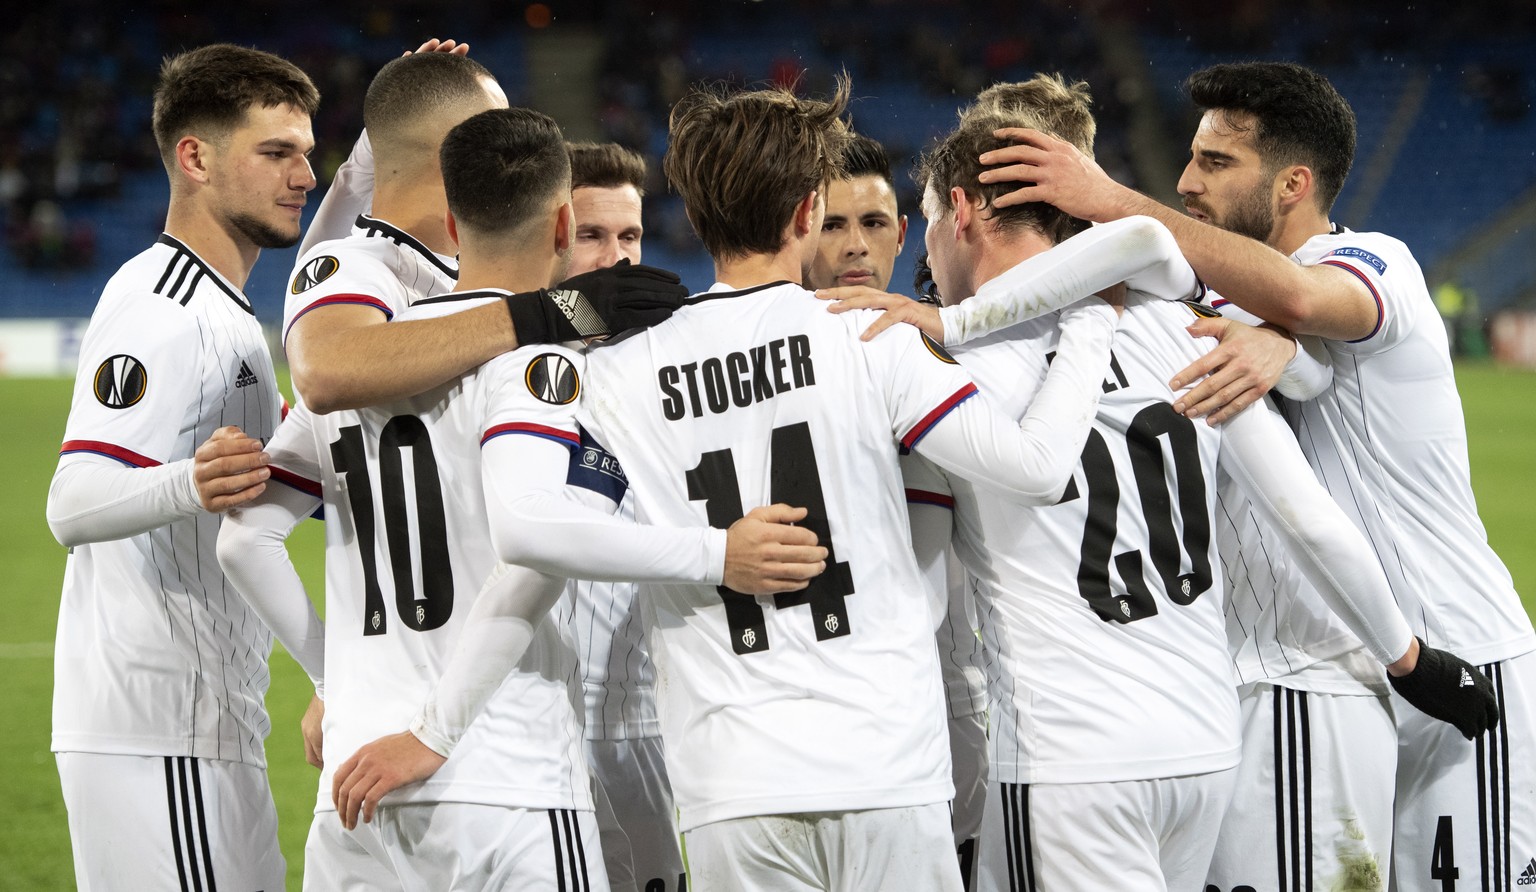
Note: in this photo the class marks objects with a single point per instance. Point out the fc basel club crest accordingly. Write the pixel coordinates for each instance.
(315, 272)
(552, 378)
(938, 350)
(120, 381)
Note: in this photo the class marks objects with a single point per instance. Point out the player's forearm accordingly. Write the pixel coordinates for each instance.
(1136, 250)
(366, 365)
(99, 501)
(1033, 462)
(1309, 373)
(497, 632)
(255, 559)
(350, 194)
(1261, 455)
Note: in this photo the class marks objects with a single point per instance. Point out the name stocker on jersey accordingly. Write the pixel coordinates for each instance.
(1388, 440)
(1101, 615)
(821, 701)
(406, 521)
(157, 654)
(378, 265)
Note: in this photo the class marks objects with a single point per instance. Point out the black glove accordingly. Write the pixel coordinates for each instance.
(1448, 688)
(601, 302)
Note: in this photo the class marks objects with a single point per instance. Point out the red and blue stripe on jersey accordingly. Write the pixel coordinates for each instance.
(926, 424)
(563, 437)
(126, 456)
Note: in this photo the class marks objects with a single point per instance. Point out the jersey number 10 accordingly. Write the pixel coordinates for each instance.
(350, 458)
(795, 481)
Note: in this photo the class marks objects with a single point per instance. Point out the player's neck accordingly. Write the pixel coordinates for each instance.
(1295, 229)
(1005, 250)
(213, 239)
(417, 208)
(760, 269)
(506, 271)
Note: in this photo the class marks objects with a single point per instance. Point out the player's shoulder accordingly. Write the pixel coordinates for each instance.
(352, 258)
(1377, 251)
(158, 286)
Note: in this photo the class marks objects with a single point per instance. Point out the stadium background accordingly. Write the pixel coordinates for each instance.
(1446, 162)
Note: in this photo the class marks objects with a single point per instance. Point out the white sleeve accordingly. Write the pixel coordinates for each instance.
(1260, 454)
(254, 558)
(497, 632)
(1138, 251)
(540, 522)
(1033, 461)
(350, 194)
(1309, 373)
(98, 499)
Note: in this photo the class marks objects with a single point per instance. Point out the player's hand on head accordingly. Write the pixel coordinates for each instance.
(1444, 686)
(1051, 170)
(229, 469)
(1246, 363)
(765, 554)
(433, 45)
(896, 307)
(309, 727)
(600, 302)
(378, 768)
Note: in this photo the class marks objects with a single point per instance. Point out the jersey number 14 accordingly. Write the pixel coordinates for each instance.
(795, 481)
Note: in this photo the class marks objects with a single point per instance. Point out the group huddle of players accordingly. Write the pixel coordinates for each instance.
(1027, 585)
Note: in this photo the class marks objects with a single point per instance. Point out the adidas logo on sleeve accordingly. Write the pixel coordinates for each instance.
(1528, 876)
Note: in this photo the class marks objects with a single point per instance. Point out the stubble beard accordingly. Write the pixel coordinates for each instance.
(263, 234)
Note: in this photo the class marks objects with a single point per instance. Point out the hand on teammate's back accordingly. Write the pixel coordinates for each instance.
(229, 469)
(1238, 371)
(897, 307)
(1446, 687)
(378, 768)
(765, 554)
(601, 302)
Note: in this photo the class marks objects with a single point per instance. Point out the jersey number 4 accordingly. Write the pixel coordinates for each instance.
(1171, 538)
(435, 605)
(795, 481)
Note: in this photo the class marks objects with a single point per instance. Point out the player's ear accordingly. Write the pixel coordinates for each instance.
(565, 224)
(194, 156)
(1294, 185)
(962, 205)
(453, 227)
(806, 214)
(901, 233)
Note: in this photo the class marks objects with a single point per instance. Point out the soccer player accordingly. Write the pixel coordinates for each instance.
(511, 807)
(623, 738)
(1158, 675)
(805, 735)
(1386, 438)
(862, 234)
(160, 671)
(346, 285)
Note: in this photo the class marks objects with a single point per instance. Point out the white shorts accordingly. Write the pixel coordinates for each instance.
(170, 822)
(1130, 836)
(1466, 809)
(458, 846)
(880, 850)
(639, 831)
(1313, 803)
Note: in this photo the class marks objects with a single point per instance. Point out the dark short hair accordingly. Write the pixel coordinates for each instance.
(412, 87)
(606, 165)
(864, 157)
(502, 166)
(742, 160)
(1300, 117)
(209, 90)
(1046, 103)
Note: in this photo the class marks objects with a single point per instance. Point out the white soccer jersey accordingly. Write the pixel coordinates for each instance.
(403, 480)
(156, 653)
(378, 265)
(823, 700)
(616, 666)
(1101, 615)
(1388, 441)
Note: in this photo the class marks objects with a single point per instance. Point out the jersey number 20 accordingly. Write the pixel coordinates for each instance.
(436, 604)
(794, 481)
